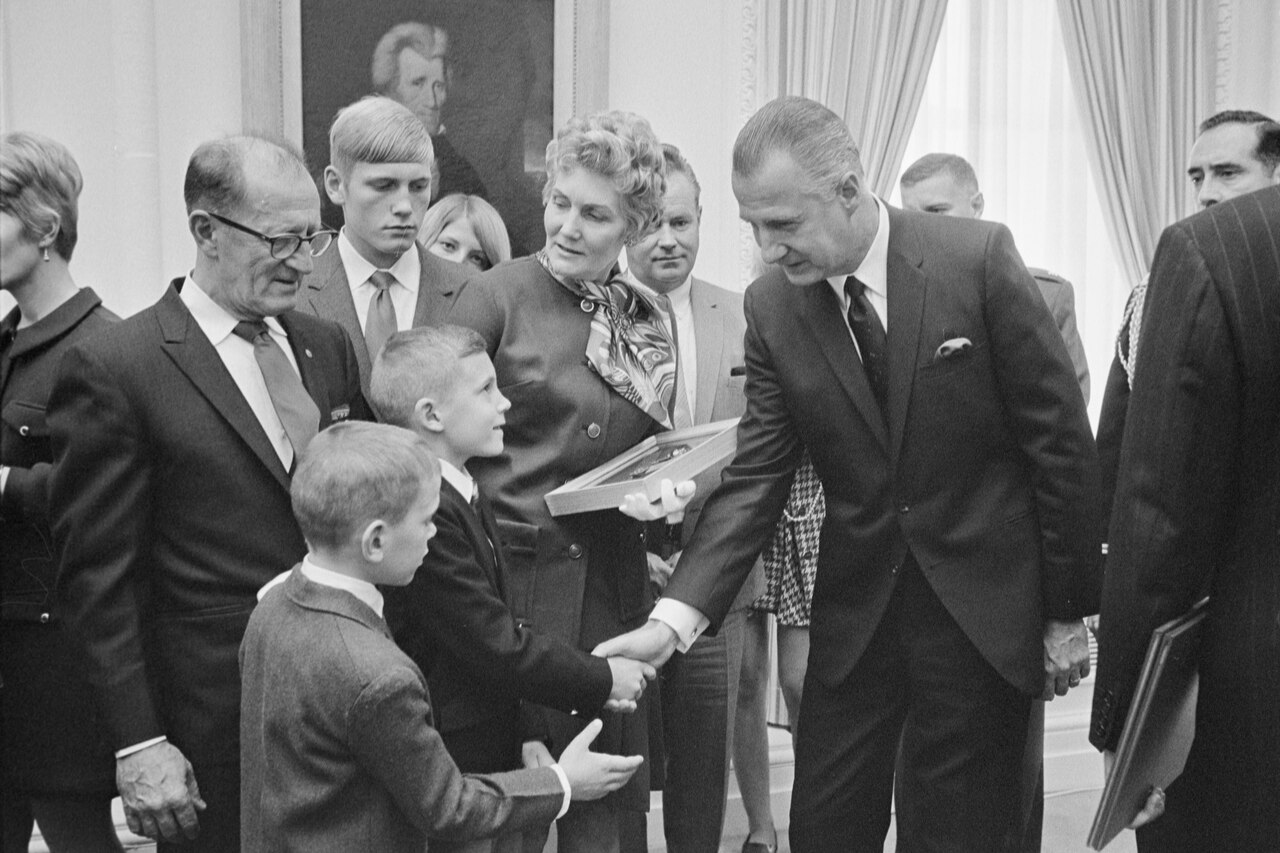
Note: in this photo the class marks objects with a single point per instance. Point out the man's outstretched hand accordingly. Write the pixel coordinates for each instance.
(653, 642)
(591, 775)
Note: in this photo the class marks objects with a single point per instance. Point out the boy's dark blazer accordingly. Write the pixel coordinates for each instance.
(327, 293)
(336, 739)
(453, 619)
(170, 509)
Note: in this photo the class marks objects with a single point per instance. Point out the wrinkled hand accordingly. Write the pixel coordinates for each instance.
(629, 680)
(593, 774)
(660, 570)
(1066, 656)
(670, 506)
(159, 792)
(1152, 809)
(653, 642)
(534, 753)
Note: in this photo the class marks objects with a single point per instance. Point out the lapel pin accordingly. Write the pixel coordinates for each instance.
(307, 351)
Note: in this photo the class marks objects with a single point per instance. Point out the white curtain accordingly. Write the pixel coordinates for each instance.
(867, 60)
(999, 94)
(1144, 71)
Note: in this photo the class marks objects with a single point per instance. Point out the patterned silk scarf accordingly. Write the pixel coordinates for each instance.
(629, 345)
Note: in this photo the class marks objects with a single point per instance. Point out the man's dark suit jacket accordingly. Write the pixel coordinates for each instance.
(453, 620)
(985, 470)
(339, 753)
(1198, 498)
(170, 510)
(327, 293)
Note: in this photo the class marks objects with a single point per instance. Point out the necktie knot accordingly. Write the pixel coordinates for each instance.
(382, 280)
(250, 329)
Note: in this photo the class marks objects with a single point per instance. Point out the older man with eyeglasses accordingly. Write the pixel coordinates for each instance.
(174, 435)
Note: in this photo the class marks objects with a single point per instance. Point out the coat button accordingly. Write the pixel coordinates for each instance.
(24, 430)
(593, 431)
(575, 551)
(44, 618)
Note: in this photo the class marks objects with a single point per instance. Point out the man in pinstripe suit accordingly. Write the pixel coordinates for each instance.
(1197, 503)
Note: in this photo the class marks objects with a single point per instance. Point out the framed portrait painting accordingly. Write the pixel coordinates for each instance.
(489, 78)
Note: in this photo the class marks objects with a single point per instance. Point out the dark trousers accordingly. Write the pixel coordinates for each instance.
(699, 696)
(923, 720)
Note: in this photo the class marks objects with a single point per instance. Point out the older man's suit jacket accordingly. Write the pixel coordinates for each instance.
(338, 748)
(170, 510)
(327, 293)
(1198, 497)
(454, 621)
(983, 468)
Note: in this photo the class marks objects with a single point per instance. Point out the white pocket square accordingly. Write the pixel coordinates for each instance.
(951, 347)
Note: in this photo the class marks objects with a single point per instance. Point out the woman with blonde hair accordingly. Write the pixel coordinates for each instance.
(58, 769)
(588, 363)
(467, 230)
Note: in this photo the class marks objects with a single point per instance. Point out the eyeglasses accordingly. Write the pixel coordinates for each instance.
(284, 245)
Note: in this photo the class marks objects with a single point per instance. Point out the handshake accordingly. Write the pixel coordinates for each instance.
(632, 672)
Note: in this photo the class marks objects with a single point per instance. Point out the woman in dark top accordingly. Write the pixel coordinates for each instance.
(57, 767)
(588, 364)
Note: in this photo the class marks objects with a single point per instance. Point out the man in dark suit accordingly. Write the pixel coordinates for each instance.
(946, 184)
(1237, 152)
(174, 433)
(699, 691)
(1195, 510)
(380, 280)
(944, 420)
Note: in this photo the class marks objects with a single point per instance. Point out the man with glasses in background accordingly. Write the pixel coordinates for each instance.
(174, 436)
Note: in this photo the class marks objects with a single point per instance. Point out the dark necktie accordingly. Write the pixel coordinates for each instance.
(380, 322)
(869, 333)
(681, 416)
(294, 406)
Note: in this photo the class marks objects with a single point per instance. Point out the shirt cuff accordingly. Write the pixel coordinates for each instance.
(686, 620)
(568, 794)
(138, 747)
(4, 478)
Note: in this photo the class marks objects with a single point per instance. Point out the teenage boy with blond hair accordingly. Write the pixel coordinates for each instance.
(337, 747)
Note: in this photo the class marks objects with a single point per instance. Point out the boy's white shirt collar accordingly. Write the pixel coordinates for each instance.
(407, 269)
(363, 590)
(458, 478)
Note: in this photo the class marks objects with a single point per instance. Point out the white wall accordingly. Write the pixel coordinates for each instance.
(679, 64)
(131, 87)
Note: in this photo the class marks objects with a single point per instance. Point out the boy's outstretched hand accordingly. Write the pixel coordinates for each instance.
(593, 774)
(629, 680)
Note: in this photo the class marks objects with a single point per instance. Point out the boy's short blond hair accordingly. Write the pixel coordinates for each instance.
(416, 363)
(355, 472)
(377, 129)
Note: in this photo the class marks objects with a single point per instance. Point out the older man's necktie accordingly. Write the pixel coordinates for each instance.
(869, 333)
(681, 415)
(380, 322)
(294, 406)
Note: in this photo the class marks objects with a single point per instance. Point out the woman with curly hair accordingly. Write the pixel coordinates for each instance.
(588, 364)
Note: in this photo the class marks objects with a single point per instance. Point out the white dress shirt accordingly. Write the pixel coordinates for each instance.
(687, 621)
(237, 355)
(458, 478)
(407, 271)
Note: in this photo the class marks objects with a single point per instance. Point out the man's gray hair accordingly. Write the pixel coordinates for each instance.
(815, 137)
(427, 40)
(215, 179)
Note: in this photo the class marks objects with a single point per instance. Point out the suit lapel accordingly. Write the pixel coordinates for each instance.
(489, 530)
(823, 314)
(906, 297)
(330, 295)
(312, 378)
(435, 289)
(195, 356)
(708, 330)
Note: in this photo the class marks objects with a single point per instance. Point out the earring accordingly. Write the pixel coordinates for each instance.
(46, 254)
